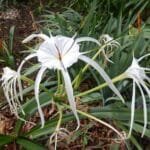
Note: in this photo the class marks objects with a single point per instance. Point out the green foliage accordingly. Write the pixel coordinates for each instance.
(7, 54)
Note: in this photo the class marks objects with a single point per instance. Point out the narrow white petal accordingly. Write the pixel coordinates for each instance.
(102, 73)
(24, 60)
(16, 96)
(73, 37)
(6, 93)
(132, 110)
(19, 72)
(12, 98)
(147, 78)
(36, 90)
(107, 57)
(144, 108)
(69, 91)
(147, 69)
(143, 68)
(20, 88)
(30, 37)
(51, 138)
(83, 39)
(56, 139)
(15, 91)
(141, 58)
(144, 86)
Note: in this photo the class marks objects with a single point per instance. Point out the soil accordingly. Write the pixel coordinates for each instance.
(22, 19)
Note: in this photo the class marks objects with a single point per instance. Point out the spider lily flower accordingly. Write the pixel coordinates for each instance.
(60, 133)
(9, 84)
(60, 52)
(107, 40)
(139, 77)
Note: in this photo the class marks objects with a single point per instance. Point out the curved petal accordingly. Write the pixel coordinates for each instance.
(141, 58)
(24, 60)
(30, 37)
(16, 96)
(145, 87)
(83, 39)
(106, 57)
(14, 104)
(69, 91)
(36, 90)
(144, 107)
(7, 90)
(102, 73)
(19, 70)
(146, 69)
(132, 110)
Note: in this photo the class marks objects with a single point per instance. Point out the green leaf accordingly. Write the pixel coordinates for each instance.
(11, 38)
(105, 112)
(4, 139)
(132, 138)
(48, 128)
(90, 98)
(31, 106)
(139, 128)
(29, 145)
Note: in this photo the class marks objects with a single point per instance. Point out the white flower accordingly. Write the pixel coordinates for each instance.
(59, 134)
(109, 43)
(105, 38)
(9, 84)
(137, 73)
(60, 52)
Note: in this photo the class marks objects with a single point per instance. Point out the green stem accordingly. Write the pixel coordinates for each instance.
(60, 118)
(77, 79)
(80, 112)
(100, 121)
(116, 79)
(57, 127)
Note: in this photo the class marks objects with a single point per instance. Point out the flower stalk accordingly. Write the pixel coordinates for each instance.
(122, 137)
(57, 129)
(77, 80)
(101, 86)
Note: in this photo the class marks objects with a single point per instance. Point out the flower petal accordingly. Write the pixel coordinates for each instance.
(16, 96)
(132, 110)
(106, 57)
(19, 70)
(30, 37)
(145, 87)
(144, 107)
(36, 90)
(14, 104)
(83, 39)
(69, 91)
(141, 58)
(24, 60)
(6, 89)
(102, 73)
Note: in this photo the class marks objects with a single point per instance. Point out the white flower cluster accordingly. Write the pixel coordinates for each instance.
(61, 52)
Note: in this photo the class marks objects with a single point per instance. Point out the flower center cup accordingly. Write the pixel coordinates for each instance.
(58, 53)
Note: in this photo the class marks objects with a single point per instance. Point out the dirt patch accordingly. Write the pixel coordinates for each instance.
(23, 20)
